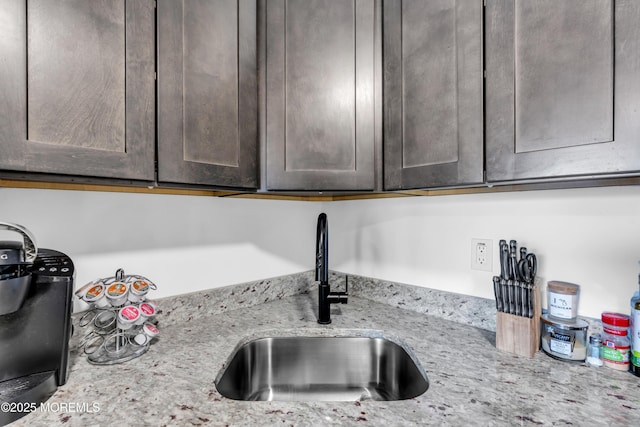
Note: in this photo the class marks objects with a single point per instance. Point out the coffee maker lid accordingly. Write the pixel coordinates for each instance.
(15, 253)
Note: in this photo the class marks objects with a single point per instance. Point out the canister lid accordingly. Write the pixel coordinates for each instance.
(576, 324)
(563, 287)
(615, 319)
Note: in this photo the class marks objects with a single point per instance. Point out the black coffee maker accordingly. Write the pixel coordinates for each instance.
(36, 288)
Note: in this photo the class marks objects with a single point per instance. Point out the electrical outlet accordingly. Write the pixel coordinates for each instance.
(482, 254)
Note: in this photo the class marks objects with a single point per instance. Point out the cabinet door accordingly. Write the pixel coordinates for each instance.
(320, 94)
(563, 88)
(77, 87)
(207, 92)
(433, 112)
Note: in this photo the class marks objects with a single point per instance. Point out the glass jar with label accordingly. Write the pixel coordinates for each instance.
(562, 300)
(615, 341)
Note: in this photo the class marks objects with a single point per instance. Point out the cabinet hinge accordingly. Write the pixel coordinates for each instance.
(155, 4)
(484, 74)
(155, 75)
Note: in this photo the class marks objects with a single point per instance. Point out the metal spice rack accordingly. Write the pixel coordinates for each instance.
(104, 342)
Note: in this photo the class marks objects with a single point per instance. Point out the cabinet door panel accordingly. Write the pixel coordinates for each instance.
(320, 94)
(433, 93)
(207, 92)
(563, 88)
(77, 88)
(563, 84)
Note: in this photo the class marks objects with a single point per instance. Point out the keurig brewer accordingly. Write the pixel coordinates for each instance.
(36, 288)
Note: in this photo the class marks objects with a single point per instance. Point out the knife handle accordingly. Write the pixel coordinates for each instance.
(504, 261)
(512, 305)
(525, 299)
(505, 295)
(496, 292)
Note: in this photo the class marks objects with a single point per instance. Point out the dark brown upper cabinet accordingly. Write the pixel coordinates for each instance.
(77, 88)
(562, 88)
(433, 82)
(208, 92)
(320, 94)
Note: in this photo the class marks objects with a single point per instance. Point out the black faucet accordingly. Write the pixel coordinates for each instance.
(325, 296)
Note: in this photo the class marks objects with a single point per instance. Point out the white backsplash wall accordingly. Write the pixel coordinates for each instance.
(183, 243)
(586, 236)
(189, 243)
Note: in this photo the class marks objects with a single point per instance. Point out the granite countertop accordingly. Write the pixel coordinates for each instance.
(471, 383)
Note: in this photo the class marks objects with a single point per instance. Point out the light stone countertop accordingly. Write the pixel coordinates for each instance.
(471, 383)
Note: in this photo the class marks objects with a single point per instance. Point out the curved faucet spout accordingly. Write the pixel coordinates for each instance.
(325, 296)
(322, 249)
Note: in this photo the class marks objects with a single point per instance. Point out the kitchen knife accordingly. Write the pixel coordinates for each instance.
(513, 263)
(518, 299)
(497, 292)
(504, 292)
(512, 305)
(504, 260)
(513, 247)
(524, 299)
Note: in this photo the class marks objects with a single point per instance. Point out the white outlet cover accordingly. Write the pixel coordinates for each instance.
(482, 254)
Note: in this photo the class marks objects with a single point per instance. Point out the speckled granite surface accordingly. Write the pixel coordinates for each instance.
(459, 308)
(474, 311)
(186, 307)
(471, 383)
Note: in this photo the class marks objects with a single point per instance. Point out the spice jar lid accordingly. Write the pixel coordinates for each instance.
(563, 287)
(595, 339)
(615, 319)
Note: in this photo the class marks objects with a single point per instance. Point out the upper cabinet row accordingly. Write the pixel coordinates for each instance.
(320, 95)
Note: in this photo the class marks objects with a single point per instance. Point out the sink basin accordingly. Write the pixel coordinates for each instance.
(321, 369)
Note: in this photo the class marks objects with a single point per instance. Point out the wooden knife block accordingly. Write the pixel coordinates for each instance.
(517, 334)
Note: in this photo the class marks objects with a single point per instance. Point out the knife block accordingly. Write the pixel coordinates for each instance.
(517, 334)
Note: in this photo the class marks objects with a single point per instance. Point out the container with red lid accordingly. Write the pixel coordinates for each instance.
(127, 316)
(148, 332)
(615, 341)
(147, 311)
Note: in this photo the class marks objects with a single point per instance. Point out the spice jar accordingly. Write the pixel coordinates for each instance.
(562, 299)
(593, 350)
(615, 342)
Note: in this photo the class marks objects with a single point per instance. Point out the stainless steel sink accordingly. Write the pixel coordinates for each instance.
(322, 369)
